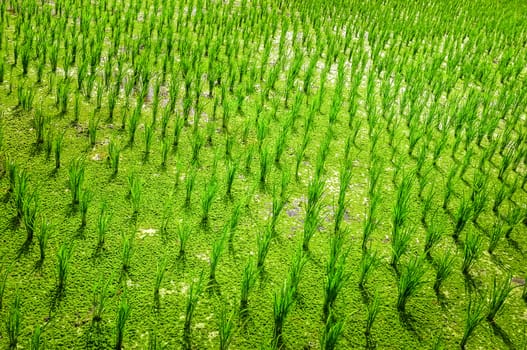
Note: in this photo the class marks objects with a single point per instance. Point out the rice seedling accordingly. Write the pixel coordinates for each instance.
(336, 276)
(208, 197)
(215, 254)
(433, 237)
(263, 244)
(498, 295)
(84, 202)
(190, 179)
(160, 273)
(513, 217)
(62, 268)
(57, 146)
(401, 208)
(264, 166)
(36, 342)
(497, 232)
(40, 123)
(332, 332)
(371, 314)
(103, 221)
(21, 191)
(123, 313)
(226, 329)
(43, 236)
(368, 263)
(100, 298)
(197, 144)
(400, 243)
(475, 314)
(295, 271)
(13, 321)
(449, 186)
(232, 167)
(193, 296)
(149, 133)
(135, 188)
(462, 216)
(76, 179)
(93, 124)
(282, 302)
(311, 224)
(444, 268)
(183, 232)
(114, 154)
(133, 124)
(410, 281)
(248, 281)
(30, 209)
(126, 252)
(471, 251)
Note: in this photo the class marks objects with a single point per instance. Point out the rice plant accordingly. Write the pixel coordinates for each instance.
(371, 314)
(433, 237)
(43, 236)
(207, 198)
(471, 251)
(410, 281)
(57, 146)
(190, 179)
(103, 221)
(135, 189)
(498, 295)
(335, 279)
(160, 273)
(462, 216)
(282, 302)
(215, 254)
(400, 244)
(475, 313)
(332, 332)
(36, 342)
(497, 232)
(248, 281)
(263, 244)
(183, 232)
(13, 321)
(193, 296)
(3, 282)
(126, 253)
(368, 263)
(84, 202)
(62, 268)
(226, 328)
(444, 268)
(232, 167)
(93, 124)
(100, 298)
(149, 133)
(123, 313)
(114, 154)
(76, 179)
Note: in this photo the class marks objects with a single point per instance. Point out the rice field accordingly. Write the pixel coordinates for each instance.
(270, 174)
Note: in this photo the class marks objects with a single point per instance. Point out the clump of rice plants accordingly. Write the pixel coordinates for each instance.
(226, 328)
(444, 268)
(368, 263)
(282, 302)
(194, 294)
(410, 281)
(471, 251)
(135, 188)
(332, 332)
(248, 280)
(43, 236)
(76, 179)
(100, 298)
(263, 244)
(62, 268)
(13, 321)
(85, 198)
(160, 273)
(126, 253)
(114, 154)
(475, 313)
(498, 295)
(371, 314)
(183, 232)
(123, 313)
(215, 254)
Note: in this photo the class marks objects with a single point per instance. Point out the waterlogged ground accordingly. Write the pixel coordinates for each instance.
(397, 82)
